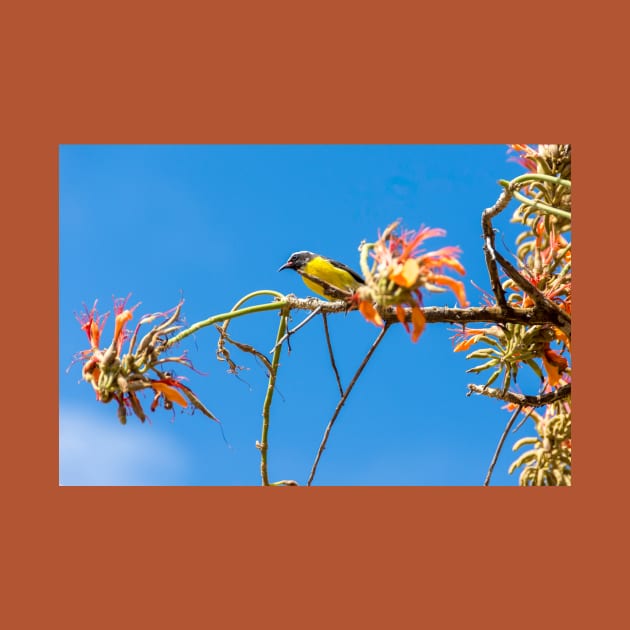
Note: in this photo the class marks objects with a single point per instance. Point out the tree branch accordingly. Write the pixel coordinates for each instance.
(294, 330)
(341, 403)
(488, 244)
(555, 314)
(500, 444)
(439, 314)
(522, 399)
(332, 355)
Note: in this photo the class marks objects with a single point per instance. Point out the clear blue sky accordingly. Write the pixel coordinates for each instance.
(213, 223)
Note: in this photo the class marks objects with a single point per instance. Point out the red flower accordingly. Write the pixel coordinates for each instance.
(93, 325)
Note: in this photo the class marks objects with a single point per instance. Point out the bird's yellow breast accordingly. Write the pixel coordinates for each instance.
(324, 270)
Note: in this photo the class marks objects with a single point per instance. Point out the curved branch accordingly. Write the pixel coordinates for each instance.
(488, 244)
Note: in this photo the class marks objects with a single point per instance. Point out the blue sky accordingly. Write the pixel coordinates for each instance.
(213, 223)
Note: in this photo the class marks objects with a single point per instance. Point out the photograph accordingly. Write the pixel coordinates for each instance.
(314, 315)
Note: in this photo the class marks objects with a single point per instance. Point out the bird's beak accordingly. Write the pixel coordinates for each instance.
(286, 265)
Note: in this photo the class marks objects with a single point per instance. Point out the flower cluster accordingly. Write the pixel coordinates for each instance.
(544, 264)
(544, 252)
(545, 159)
(119, 376)
(548, 461)
(544, 256)
(509, 347)
(551, 160)
(399, 269)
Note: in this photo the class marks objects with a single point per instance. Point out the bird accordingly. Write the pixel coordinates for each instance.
(327, 277)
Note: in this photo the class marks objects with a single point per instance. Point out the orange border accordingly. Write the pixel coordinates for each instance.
(394, 557)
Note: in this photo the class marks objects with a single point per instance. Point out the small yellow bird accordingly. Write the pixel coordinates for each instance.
(328, 278)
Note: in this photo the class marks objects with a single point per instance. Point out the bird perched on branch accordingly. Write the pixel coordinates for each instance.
(328, 278)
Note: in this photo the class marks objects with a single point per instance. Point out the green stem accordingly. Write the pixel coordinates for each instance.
(522, 179)
(513, 186)
(215, 319)
(250, 296)
(262, 445)
(539, 205)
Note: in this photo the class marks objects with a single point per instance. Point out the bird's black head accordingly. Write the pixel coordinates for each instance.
(297, 261)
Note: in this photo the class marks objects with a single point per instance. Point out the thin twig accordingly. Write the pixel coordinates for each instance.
(341, 403)
(224, 355)
(521, 399)
(332, 356)
(263, 445)
(554, 314)
(500, 444)
(523, 419)
(488, 244)
(293, 330)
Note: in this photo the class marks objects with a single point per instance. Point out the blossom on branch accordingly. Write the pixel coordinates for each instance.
(117, 375)
(399, 269)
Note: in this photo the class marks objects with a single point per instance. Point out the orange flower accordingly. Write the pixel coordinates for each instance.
(166, 387)
(470, 336)
(121, 378)
(400, 269)
(410, 247)
(526, 157)
(443, 257)
(405, 274)
(560, 336)
(123, 315)
(402, 316)
(417, 319)
(93, 325)
(555, 365)
(121, 320)
(455, 285)
(419, 322)
(370, 313)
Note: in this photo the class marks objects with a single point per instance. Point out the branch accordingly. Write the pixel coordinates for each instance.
(293, 330)
(488, 244)
(278, 304)
(522, 399)
(500, 444)
(332, 356)
(341, 403)
(555, 314)
(262, 445)
(437, 314)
